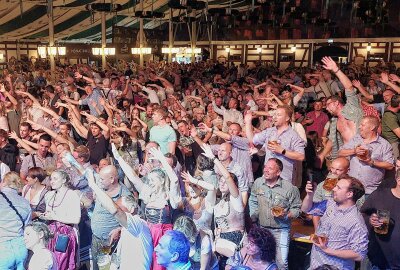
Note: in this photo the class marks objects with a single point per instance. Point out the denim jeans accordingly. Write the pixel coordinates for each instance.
(13, 254)
(282, 238)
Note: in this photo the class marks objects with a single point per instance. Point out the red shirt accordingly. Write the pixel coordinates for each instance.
(319, 122)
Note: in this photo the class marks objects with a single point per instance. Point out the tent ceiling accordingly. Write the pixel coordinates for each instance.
(27, 19)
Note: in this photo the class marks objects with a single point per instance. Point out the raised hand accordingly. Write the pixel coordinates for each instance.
(187, 178)
(204, 127)
(384, 78)
(329, 64)
(193, 132)
(356, 83)
(207, 151)
(13, 135)
(309, 188)
(2, 88)
(156, 154)
(394, 77)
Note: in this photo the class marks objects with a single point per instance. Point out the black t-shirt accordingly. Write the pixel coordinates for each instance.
(378, 98)
(383, 250)
(98, 148)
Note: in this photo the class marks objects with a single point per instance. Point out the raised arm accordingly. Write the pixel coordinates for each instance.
(385, 80)
(233, 189)
(329, 64)
(128, 170)
(82, 130)
(211, 191)
(46, 110)
(29, 95)
(357, 84)
(248, 126)
(21, 142)
(106, 201)
(8, 95)
(175, 193)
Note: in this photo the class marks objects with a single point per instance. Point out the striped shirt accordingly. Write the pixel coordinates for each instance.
(346, 230)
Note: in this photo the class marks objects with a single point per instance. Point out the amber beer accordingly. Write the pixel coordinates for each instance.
(277, 211)
(273, 142)
(384, 217)
(105, 249)
(330, 183)
(383, 229)
(319, 238)
(364, 155)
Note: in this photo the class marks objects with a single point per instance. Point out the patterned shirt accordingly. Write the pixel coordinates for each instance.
(289, 140)
(263, 197)
(370, 176)
(346, 230)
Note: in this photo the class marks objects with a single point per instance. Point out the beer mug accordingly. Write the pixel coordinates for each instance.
(279, 206)
(365, 153)
(384, 217)
(330, 182)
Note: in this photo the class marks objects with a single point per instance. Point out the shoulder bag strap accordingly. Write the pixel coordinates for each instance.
(13, 207)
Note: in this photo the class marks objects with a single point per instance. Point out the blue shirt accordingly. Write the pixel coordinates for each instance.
(163, 136)
(11, 226)
(103, 222)
(95, 97)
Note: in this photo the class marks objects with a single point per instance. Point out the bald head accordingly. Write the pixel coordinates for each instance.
(108, 175)
(340, 166)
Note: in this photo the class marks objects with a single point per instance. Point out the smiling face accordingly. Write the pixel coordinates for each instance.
(271, 170)
(57, 180)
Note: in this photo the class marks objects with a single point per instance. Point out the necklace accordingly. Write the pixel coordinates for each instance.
(54, 200)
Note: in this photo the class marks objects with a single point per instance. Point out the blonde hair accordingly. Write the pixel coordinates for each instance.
(12, 180)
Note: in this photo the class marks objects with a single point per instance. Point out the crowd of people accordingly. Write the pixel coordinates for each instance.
(198, 166)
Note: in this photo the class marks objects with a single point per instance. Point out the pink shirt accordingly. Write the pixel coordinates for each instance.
(319, 122)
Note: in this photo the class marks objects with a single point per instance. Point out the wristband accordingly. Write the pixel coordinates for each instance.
(82, 77)
(337, 71)
(214, 158)
(283, 152)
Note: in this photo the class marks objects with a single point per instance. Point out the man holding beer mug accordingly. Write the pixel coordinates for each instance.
(370, 154)
(382, 215)
(341, 237)
(273, 203)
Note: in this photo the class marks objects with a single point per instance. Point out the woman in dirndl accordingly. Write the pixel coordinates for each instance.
(63, 213)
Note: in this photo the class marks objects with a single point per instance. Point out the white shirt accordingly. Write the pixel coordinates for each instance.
(135, 246)
(152, 95)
